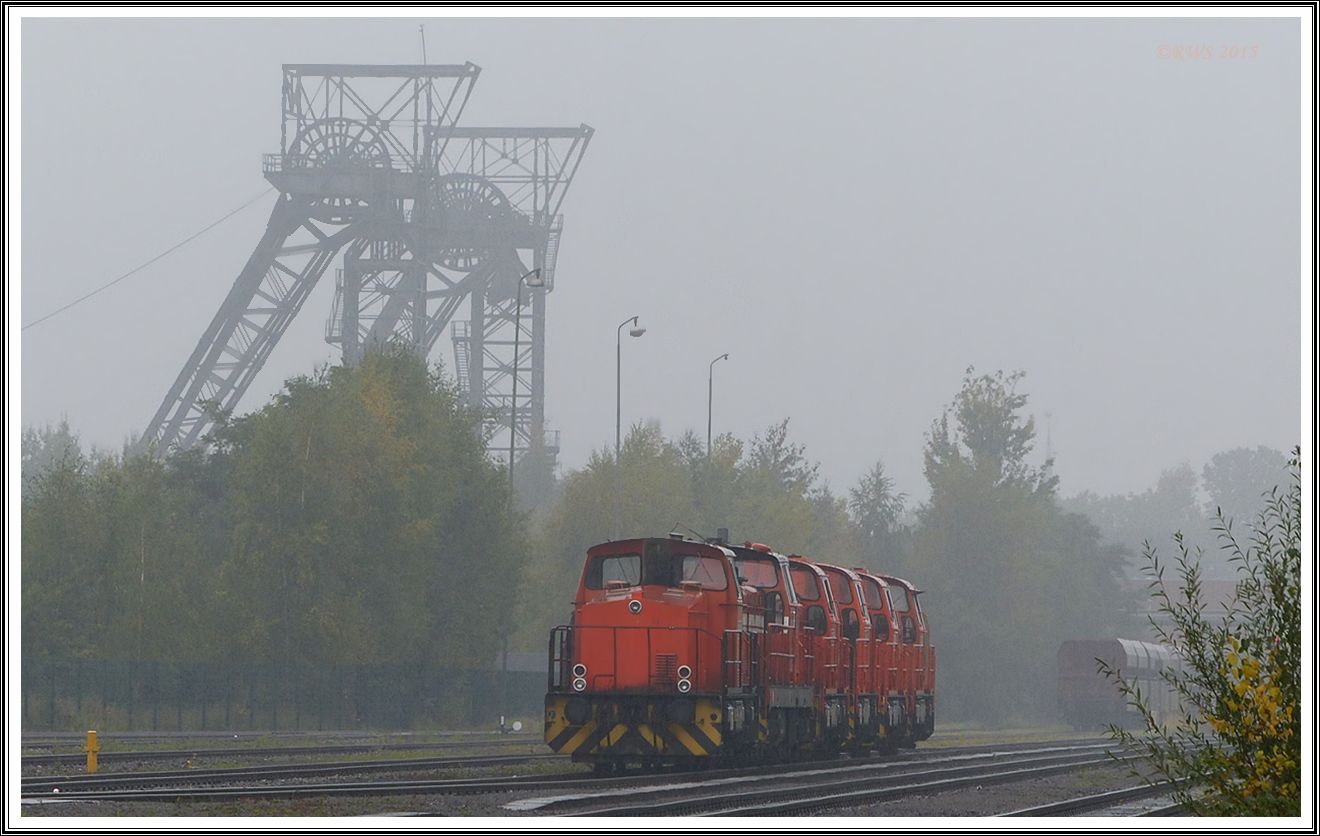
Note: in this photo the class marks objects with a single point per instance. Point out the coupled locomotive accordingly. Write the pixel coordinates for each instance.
(682, 651)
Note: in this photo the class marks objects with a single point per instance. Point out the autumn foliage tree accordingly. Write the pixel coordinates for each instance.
(353, 519)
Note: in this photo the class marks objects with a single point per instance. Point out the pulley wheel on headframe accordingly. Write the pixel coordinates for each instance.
(473, 208)
(338, 144)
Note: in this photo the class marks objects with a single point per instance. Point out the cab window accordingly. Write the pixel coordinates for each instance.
(840, 587)
(761, 574)
(707, 571)
(656, 569)
(804, 583)
(614, 567)
(898, 599)
(909, 630)
(852, 626)
(815, 618)
(662, 568)
(871, 590)
(879, 626)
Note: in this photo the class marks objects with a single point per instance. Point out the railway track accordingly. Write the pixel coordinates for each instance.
(1166, 810)
(347, 789)
(68, 785)
(1116, 800)
(78, 758)
(806, 791)
(345, 734)
(184, 785)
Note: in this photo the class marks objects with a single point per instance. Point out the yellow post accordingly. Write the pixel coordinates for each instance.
(91, 749)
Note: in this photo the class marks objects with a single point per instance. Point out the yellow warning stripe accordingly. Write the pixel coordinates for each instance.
(616, 734)
(578, 739)
(648, 734)
(555, 727)
(689, 742)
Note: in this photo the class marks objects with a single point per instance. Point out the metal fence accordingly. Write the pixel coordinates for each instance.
(72, 695)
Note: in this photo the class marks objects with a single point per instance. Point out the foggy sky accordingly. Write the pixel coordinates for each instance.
(855, 210)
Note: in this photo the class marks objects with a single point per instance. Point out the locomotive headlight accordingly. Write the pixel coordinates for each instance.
(684, 686)
(634, 606)
(579, 684)
(579, 670)
(684, 672)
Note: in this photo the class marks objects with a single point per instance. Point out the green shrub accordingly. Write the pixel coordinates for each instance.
(1235, 749)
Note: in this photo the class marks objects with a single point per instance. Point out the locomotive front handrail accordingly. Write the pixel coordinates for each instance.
(561, 653)
(782, 665)
(744, 662)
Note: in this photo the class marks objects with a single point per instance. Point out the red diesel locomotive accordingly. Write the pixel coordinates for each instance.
(683, 651)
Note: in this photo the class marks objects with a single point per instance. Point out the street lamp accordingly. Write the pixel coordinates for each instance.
(533, 279)
(618, 413)
(710, 392)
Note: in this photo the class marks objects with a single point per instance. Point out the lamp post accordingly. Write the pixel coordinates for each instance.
(710, 393)
(533, 279)
(635, 331)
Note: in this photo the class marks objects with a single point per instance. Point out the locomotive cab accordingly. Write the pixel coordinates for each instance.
(917, 653)
(856, 655)
(890, 683)
(821, 642)
(639, 674)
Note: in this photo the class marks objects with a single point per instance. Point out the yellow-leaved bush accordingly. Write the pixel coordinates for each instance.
(1234, 748)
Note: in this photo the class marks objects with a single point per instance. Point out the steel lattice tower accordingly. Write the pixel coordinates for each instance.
(426, 215)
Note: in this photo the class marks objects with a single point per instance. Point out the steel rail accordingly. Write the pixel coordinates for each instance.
(803, 797)
(347, 789)
(1170, 810)
(460, 785)
(187, 777)
(349, 734)
(82, 787)
(1091, 802)
(336, 749)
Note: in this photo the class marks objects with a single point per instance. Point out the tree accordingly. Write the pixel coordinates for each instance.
(1007, 573)
(988, 437)
(714, 478)
(369, 525)
(876, 508)
(782, 461)
(1236, 479)
(62, 543)
(45, 448)
(1236, 747)
(1129, 520)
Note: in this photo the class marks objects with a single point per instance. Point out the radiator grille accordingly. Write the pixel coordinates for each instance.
(664, 672)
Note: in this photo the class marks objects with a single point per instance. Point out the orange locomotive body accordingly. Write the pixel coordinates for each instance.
(683, 651)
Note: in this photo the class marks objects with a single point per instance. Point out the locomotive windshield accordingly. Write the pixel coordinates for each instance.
(762, 574)
(659, 568)
(707, 571)
(614, 567)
